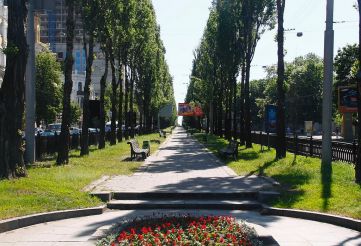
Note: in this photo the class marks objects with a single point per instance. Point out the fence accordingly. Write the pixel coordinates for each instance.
(307, 146)
(48, 145)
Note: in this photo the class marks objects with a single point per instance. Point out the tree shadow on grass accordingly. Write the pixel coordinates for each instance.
(290, 193)
(261, 170)
(326, 182)
(249, 156)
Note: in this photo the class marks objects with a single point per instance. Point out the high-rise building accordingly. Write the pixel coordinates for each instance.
(52, 16)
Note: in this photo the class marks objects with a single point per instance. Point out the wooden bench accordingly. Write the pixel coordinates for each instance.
(162, 134)
(135, 150)
(231, 149)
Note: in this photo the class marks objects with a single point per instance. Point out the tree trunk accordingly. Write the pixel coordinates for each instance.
(358, 162)
(86, 114)
(63, 152)
(281, 134)
(113, 137)
(103, 84)
(120, 106)
(131, 104)
(241, 118)
(235, 108)
(247, 106)
(126, 105)
(12, 94)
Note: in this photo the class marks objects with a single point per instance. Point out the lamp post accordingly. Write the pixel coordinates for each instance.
(327, 87)
(30, 88)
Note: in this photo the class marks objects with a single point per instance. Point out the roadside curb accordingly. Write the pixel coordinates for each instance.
(315, 216)
(20, 222)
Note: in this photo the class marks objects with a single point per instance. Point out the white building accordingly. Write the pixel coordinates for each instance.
(3, 37)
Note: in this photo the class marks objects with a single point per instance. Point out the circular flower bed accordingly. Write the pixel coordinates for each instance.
(185, 230)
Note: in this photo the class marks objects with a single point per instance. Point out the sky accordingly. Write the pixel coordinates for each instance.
(182, 24)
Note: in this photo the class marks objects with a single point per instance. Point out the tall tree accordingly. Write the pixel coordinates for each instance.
(89, 11)
(63, 151)
(358, 162)
(281, 134)
(12, 94)
(258, 16)
(102, 112)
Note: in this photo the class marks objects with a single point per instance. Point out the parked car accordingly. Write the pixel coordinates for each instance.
(56, 127)
(38, 131)
(74, 131)
(93, 130)
(108, 126)
(47, 133)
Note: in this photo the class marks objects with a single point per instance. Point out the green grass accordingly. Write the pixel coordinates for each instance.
(50, 188)
(304, 184)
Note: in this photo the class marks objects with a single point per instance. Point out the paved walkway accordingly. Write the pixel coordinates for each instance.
(80, 231)
(183, 165)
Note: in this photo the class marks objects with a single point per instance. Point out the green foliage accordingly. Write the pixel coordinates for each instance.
(128, 29)
(49, 187)
(345, 59)
(303, 86)
(48, 87)
(75, 113)
(11, 50)
(300, 179)
(229, 41)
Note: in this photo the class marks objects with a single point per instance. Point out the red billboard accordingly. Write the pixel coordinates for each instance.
(198, 112)
(185, 109)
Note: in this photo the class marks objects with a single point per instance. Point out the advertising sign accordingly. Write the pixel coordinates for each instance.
(347, 99)
(184, 109)
(271, 118)
(198, 112)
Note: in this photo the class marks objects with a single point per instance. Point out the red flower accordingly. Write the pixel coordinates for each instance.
(144, 230)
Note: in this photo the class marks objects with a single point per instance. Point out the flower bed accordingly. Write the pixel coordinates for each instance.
(184, 230)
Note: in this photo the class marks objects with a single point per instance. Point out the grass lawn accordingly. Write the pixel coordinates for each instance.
(304, 185)
(54, 187)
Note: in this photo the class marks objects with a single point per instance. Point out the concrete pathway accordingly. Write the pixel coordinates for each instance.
(80, 231)
(183, 165)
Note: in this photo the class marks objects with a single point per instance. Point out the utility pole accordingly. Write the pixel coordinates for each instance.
(30, 88)
(327, 87)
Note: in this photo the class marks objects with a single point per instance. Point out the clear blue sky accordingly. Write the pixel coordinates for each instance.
(182, 23)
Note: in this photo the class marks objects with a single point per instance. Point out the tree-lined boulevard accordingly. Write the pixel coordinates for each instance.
(210, 160)
(297, 88)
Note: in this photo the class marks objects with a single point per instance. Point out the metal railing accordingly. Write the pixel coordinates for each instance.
(307, 146)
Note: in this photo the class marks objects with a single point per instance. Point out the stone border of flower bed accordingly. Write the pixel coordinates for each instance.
(315, 216)
(20, 222)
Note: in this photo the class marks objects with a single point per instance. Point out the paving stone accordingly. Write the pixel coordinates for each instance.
(183, 165)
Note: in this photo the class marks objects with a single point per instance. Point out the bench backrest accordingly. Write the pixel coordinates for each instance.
(134, 144)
